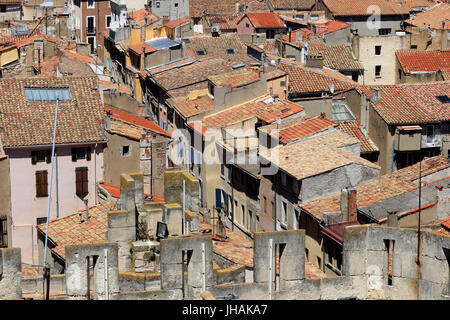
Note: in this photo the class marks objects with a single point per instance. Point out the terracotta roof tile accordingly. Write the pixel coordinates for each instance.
(337, 57)
(26, 123)
(353, 129)
(265, 20)
(432, 17)
(176, 23)
(139, 17)
(135, 121)
(413, 103)
(257, 6)
(292, 4)
(197, 7)
(388, 186)
(138, 48)
(411, 61)
(305, 80)
(224, 22)
(325, 26)
(191, 107)
(235, 78)
(360, 7)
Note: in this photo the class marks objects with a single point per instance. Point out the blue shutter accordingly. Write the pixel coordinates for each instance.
(218, 200)
(192, 155)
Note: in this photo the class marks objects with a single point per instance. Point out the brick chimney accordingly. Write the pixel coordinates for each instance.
(348, 204)
(375, 95)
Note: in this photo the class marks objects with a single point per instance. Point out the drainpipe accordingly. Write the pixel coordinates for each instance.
(57, 196)
(393, 154)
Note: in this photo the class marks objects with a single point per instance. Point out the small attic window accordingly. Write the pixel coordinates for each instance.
(230, 51)
(443, 99)
(285, 110)
(48, 94)
(201, 52)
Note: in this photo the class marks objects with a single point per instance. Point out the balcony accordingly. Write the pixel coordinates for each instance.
(407, 138)
(90, 30)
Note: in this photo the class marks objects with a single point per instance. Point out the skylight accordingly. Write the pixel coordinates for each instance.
(48, 94)
(230, 51)
(201, 52)
(443, 99)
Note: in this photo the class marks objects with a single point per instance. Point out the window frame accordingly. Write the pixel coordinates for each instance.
(90, 7)
(41, 193)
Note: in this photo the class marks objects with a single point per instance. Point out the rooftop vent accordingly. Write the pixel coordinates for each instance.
(237, 66)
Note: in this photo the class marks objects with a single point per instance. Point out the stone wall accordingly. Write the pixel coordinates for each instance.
(10, 273)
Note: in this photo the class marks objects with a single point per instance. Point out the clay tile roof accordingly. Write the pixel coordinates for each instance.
(224, 22)
(316, 155)
(176, 23)
(191, 107)
(304, 80)
(300, 127)
(138, 48)
(338, 57)
(27, 123)
(446, 223)
(353, 129)
(139, 17)
(115, 192)
(413, 103)
(445, 74)
(432, 17)
(257, 6)
(135, 121)
(67, 231)
(255, 108)
(265, 20)
(411, 61)
(235, 78)
(388, 186)
(297, 35)
(198, 7)
(78, 56)
(292, 4)
(325, 26)
(360, 7)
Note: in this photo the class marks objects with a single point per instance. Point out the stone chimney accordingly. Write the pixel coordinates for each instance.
(392, 218)
(443, 204)
(348, 204)
(314, 61)
(375, 95)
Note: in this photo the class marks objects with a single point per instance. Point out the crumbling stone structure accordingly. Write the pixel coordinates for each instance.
(104, 261)
(10, 273)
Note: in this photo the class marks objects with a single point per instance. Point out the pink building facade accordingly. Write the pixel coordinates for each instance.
(28, 209)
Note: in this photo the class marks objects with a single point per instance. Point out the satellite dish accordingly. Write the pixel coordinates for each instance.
(331, 88)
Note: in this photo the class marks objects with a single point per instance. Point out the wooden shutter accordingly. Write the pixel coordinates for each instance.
(48, 156)
(33, 157)
(88, 153)
(81, 181)
(41, 184)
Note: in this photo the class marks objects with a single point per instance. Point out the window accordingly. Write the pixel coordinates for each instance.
(430, 134)
(81, 153)
(282, 83)
(443, 99)
(243, 214)
(284, 213)
(176, 5)
(377, 50)
(41, 183)
(297, 219)
(414, 47)
(247, 25)
(270, 34)
(90, 24)
(230, 51)
(222, 169)
(125, 151)
(448, 154)
(91, 4)
(314, 17)
(378, 71)
(300, 17)
(41, 156)
(81, 181)
(265, 205)
(108, 20)
(48, 94)
(283, 180)
(273, 210)
(3, 232)
(201, 52)
(384, 31)
(158, 4)
(77, 3)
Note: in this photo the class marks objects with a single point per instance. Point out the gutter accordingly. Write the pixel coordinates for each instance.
(59, 145)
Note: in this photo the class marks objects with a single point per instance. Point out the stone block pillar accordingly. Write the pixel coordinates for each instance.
(10, 273)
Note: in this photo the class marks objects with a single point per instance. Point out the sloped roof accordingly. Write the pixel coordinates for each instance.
(413, 103)
(27, 123)
(411, 61)
(235, 78)
(388, 186)
(433, 17)
(292, 4)
(305, 80)
(338, 57)
(325, 26)
(176, 23)
(352, 128)
(140, 15)
(191, 107)
(265, 20)
(361, 7)
(197, 7)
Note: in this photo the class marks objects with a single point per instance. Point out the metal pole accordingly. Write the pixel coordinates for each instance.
(57, 196)
(203, 267)
(420, 204)
(184, 205)
(270, 268)
(106, 275)
(51, 184)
